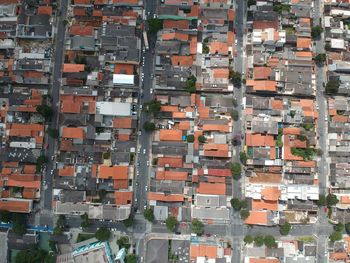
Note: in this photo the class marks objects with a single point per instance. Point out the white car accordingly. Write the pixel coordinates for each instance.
(151, 91)
(144, 151)
(146, 188)
(154, 15)
(138, 150)
(139, 133)
(147, 163)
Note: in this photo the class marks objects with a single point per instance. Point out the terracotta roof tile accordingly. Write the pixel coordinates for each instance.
(303, 42)
(70, 68)
(264, 260)
(338, 255)
(218, 48)
(257, 140)
(176, 24)
(207, 251)
(123, 198)
(262, 72)
(67, 170)
(15, 205)
(172, 175)
(175, 35)
(165, 198)
(175, 162)
(127, 69)
(257, 218)
(122, 123)
(114, 172)
(264, 205)
(73, 133)
(220, 73)
(79, 30)
(45, 10)
(271, 193)
(216, 150)
(183, 61)
(170, 135)
(211, 189)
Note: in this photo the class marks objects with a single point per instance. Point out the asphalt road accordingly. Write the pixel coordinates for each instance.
(46, 201)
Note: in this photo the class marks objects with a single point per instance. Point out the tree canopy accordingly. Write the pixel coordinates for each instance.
(259, 240)
(190, 138)
(152, 106)
(316, 31)
(103, 234)
(331, 200)
(33, 255)
(320, 59)
(269, 241)
(123, 242)
(332, 86)
(197, 227)
(149, 126)
(131, 258)
(235, 115)
(85, 222)
(202, 139)
(285, 228)
(154, 25)
(236, 170)
(170, 223)
(191, 84)
(148, 214)
(128, 222)
(248, 239)
(244, 213)
(44, 111)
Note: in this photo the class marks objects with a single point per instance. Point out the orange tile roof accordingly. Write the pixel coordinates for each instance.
(174, 35)
(262, 72)
(271, 193)
(213, 179)
(292, 131)
(176, 162)
(257, 218)
(80, 30)
(220, 172)
(172, 175)
(211, 189)
(26, 130)
(198, 250)
(169, 108)
(216, 150)
(262, 85)
(303, 42)
(29, 193)
(183, 61)
(220, 73)
(218, 48)
(45, 10)
(264, 205)
(67, 170)
(29, 169)
(70, 107)
(345, 199)
(216, 127)
(338, 255)
(340, 118)
(256, 140)
(184, 125)
(264, 260)
(120, 184)
(165, 198)
(69, 68)
(288, 151)
(14, 205)
(73, 133)
(127, 69)
(122, 123)
(304, 54)
(114, 172)
(170, 135)
(179, 24)
(123, 198)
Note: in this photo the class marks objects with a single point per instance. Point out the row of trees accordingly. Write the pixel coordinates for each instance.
(267, 240)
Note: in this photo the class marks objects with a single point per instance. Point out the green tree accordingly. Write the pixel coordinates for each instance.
(235, 115)
(316, 31)
(148, 214)
(80, 59)
(201, 139)
(131, 258)
(236, 78)
(85, 221)
(269, 241)
(170, 223)
(243, 158)
(197, 227)
(347, 228)
(236, 170)
(244, 214)
(57, 231)
(320, 59)
(123, 241)
(248, 239)
(205, 49)
(339, 227)
(285, 228)
(40, 161)
(103, 234)
(327, 47)
(128, 222)
(154, 25)
(259, 240)
(152, 106)
(149, 126)
(53, 133)
(331, 200)
(281, 8)
(33, 255)
(190, 138)
(191, 84)
(106, 155)
(332, 86)
(336, 236)
(5, 216)
(19, 223)
(321, 200)
(236, 204)
(45, 111)
(251, 2)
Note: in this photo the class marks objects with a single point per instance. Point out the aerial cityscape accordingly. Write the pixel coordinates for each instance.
(175, 131)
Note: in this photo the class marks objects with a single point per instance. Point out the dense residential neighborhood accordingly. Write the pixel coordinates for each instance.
(207, 131)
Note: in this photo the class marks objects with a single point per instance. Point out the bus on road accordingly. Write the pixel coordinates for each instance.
(145, 40)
